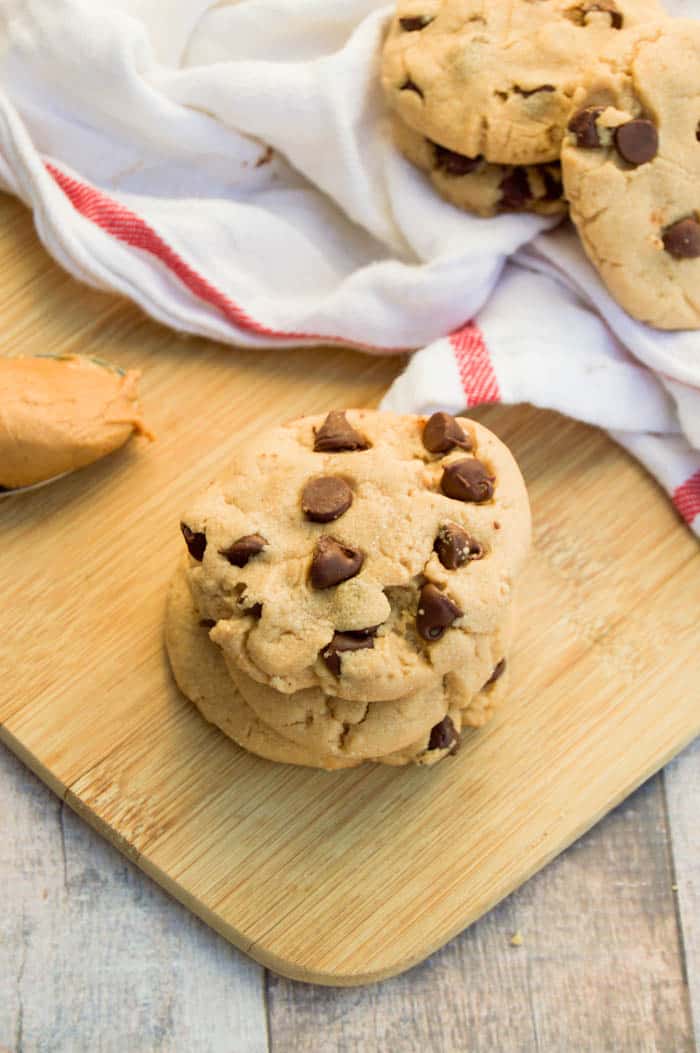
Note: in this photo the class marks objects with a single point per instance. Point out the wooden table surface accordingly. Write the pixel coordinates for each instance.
(95, 957)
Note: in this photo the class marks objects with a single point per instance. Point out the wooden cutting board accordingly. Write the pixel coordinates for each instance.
(348, 877)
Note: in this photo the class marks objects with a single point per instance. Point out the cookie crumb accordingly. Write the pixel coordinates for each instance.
(516, 939)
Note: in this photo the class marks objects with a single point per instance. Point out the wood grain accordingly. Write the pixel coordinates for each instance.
(261, 851)
(682, 783)
(95, 957)
(598, 970)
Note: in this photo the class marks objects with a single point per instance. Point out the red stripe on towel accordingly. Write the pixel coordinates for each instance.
(686, 498)
(475, 367)
(124, 225)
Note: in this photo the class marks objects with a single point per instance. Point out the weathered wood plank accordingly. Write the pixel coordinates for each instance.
(95, 957)
(598, 971)
(682, 784)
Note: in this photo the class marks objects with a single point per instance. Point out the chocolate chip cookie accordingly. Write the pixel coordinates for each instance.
(631, 166)
(496, 80)
(360, 553)
(476, 185)
(201, 674)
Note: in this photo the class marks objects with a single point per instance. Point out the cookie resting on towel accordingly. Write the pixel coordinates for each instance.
(478, 186)
(496, 80)
(631, 166)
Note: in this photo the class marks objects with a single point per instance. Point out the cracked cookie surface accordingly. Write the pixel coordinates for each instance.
(330, 726)
(496, 80)
(201, 674)
(386, 598)
(631, 166)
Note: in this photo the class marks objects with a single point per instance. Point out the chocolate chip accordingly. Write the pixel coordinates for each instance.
(442, 433)
(195, 540)
(436, 612)
(342, 642)
(452, 163)
(608, 8)
(412, 25)
(410, 85)
(244, 549)
(498, 671)
(637, 141)
(467, 480)
(583, 126)
(255, 611)
(552, 184)
(515, 189)
(337, 435)
(325, 499)
(697, 136)
(207, 623)
(333, 562)
(682, 239)
(454, 547)
(443, 735)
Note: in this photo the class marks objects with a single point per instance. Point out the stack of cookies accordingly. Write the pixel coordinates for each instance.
(549, 106)
(347, 593)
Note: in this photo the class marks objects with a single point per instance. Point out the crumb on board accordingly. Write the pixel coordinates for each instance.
(516, 939)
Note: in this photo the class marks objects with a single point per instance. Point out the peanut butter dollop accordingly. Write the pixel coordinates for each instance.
(59, 414)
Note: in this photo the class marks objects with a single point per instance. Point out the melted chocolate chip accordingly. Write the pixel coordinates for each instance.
(682, 239)
(637, 141)
(452, 163)
(207, 623)
(244, 549)
(467, 480)
(410, 85)
(583, 126)
(443, 735)
(195, 540)
(436, 612)
(413, 25)
(342, 642)
(255, 611)
(498, 671)
(337, 435)
(552, 185)
(442, 433)
(333, 562)
(325, 499)
(454, 547)
(515, 189)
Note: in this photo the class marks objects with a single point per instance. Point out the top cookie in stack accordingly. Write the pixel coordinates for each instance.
(487, 98)
(354, 577)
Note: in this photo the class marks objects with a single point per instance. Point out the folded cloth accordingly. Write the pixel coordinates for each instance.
(229, 167)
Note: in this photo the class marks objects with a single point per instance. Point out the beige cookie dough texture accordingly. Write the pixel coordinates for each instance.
(621, 211)
(394, 519)
(497, 78)
(480, 191)
(201, 674)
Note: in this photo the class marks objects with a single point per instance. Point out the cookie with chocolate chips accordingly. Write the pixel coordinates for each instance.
(201, 673)
(631, 166)
(475, 185)
(363, 555)
(495, 81)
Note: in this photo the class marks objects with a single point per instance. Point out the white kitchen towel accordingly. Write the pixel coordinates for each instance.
(227, 165)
